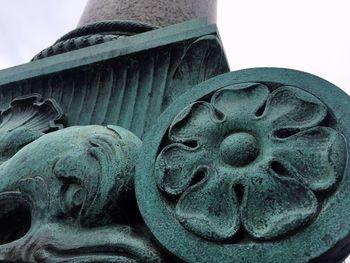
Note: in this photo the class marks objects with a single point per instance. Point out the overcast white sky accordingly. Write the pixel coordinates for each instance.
(312, 35)
(308, 35)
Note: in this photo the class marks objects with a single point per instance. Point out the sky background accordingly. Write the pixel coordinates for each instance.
(312, 36)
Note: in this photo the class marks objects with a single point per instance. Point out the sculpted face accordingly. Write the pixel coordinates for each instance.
(76, 178)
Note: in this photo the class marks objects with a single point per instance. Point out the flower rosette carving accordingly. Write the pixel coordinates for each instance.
(250, 157)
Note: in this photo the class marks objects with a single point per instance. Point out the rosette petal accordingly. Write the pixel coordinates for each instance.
(290, 110)
(196, 122)
(241, 99)
(176, 166)
(273, 205)
(318, 155)
(210, 208)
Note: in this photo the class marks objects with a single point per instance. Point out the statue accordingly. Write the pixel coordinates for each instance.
(247, 166)
(69, 195)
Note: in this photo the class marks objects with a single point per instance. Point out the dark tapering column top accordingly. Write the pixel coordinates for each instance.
(156, 12)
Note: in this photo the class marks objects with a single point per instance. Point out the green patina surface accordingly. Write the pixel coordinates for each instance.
(128, 81)
(248, 166)
(67, 193)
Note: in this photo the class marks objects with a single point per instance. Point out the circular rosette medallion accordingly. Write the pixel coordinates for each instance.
(250, 167)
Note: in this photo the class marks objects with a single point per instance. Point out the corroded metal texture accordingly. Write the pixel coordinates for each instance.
(249, 167)
(160, 12)
(127, 143)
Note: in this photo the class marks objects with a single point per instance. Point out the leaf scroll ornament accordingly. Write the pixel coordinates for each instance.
(25, 120)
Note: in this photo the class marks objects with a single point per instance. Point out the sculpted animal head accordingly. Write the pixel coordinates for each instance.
(70, 188)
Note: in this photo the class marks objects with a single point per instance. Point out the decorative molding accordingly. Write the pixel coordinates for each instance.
(32, 112)
(28, 118)
(169, 36)
(93, 34)
(132, 90)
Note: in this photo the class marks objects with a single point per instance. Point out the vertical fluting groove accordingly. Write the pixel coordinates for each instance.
(57, 88)
(2, 98)
(71, 94)
(128, 103)
(103, 97)
(20, 89)
(16, 91)
(79, 97)
(118, 91)
(26, 88)
(177, 54)
(10, 92)
(47, 91)
(143, 95)
(67, 93)
(7, 95)
(183, 74)
(162, 69)
(92, 89)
